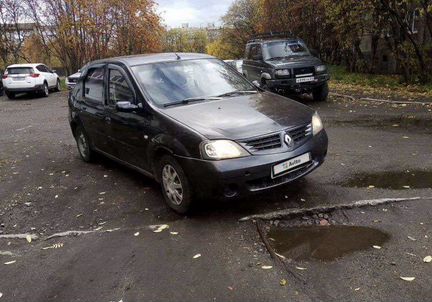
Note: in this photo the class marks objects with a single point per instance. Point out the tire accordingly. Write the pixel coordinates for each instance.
(45, 90)
(10, 95)
(57, 88)
(320, 94)
(175, 185)
(83, 145)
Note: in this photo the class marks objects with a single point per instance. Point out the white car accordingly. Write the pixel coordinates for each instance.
(38, 78)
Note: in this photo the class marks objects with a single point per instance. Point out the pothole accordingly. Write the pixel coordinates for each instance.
(325, 243)
(399, 180)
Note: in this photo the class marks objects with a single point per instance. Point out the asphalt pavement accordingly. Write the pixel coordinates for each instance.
(376, 150)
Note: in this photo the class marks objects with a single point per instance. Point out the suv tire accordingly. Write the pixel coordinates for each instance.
(45, 90)
(320, 94)
(10, 95)
(176, 189)
(57, 88)
(83, 144)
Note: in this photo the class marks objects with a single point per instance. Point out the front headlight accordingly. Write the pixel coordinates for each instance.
(282, 72)
(321, 68)
(317, 124)
(222, 149)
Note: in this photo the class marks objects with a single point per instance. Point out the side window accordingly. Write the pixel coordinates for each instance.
(93, 85)
(255, 52)
(119, 90)
(251, 52)
(47, 69)
(40, 68)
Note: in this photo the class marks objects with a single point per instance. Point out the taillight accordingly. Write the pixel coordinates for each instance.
(35, 75)
(4, 76)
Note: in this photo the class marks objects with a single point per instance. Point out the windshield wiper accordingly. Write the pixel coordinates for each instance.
(190, 100)
(237, 92)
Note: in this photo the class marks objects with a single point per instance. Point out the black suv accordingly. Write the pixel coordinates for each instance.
(285, 65)
(194, 124)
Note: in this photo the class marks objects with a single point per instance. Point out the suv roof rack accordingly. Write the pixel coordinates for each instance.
(271, 35)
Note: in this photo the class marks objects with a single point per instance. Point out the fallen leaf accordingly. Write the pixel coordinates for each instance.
(371, 187)
(10, 262)
(283, 282)
(102, 193)
(376, 247)
(409, 279)
(29, 238)
(159, 228)
(54, 246)
(411, 238)
(136, 234)
(196, 256)
(230, 288)
(301, 268)
(406, 187)
(266, 267)
(174, 233)
(427, 259)
(405, 137)
(280, 256)
(356, 289)
(1, 295)
(79, 215)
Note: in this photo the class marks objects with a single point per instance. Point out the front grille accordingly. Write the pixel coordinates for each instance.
(264, 143)
(304, 70)
(268, 182)
(72, 80)
(299, 133)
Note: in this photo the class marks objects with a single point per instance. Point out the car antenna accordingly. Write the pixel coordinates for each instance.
(178, 57)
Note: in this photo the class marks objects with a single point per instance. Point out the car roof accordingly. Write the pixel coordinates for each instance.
(260, 41)
(141, 59)
(31, 65)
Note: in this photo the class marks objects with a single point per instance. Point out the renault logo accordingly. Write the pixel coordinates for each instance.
(288, 140)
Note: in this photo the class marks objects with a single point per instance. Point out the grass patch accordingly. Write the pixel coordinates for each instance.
(375, 84)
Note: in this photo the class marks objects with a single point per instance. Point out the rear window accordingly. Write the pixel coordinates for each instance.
(20, 70)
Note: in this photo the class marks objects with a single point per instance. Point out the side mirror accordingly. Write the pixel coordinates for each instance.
(126, 106)
(256, 84)
(53, 71)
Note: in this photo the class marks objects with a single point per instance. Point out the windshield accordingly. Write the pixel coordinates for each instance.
(283, 49)
(172, 82)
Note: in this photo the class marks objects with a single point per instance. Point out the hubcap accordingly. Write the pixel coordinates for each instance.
(172, 184)
(82, 145)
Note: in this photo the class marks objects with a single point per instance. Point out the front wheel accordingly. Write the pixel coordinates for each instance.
(57, 88)
(83, 145)
(320, 94)
(175, 185)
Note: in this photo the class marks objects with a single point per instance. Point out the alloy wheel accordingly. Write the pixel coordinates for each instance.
(172, 184)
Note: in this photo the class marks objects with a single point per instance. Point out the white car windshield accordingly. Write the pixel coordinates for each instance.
(171, 82)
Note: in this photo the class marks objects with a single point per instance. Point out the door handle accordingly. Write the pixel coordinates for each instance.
(107, 120)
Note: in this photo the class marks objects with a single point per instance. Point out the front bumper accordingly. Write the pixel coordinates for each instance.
(247, 175)
(291, 84)
(24, 89)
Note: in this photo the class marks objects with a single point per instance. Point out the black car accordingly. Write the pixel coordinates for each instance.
(285, 65)
(195, 125)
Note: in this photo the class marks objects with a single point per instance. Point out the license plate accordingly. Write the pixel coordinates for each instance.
(18, 78)
(290, 164)
(304, 80)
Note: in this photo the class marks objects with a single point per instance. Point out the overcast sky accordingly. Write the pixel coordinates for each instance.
(194, 12)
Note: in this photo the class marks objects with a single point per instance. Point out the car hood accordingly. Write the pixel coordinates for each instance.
(293, 62)
(243, 116)
(76, 75)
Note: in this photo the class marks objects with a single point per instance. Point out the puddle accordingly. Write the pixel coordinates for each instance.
(324, 243)
(392, 180)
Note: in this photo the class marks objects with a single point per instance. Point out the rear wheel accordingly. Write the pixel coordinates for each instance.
(175, 185)
(320, 94)
(45, 90)
(83, 144)
(10, 95)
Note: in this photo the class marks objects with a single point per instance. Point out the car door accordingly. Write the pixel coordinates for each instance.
(128, 131)
(52, 77)
(92, 107)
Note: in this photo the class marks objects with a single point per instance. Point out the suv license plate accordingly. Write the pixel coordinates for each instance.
(290, 164)
(18, 78)
(304, 80)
